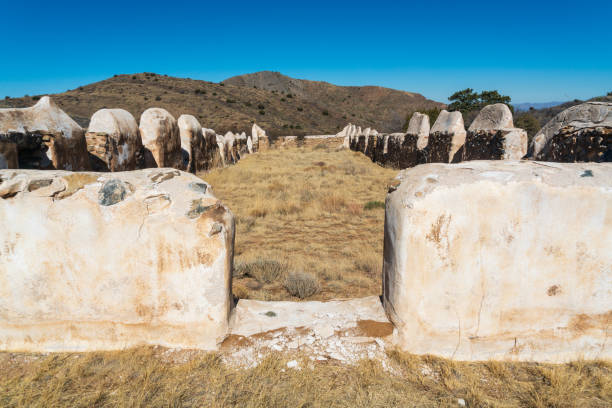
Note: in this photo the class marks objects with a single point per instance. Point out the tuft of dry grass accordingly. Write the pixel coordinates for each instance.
(158, 377)
(263, 270)
(301, 284)
(304, 206)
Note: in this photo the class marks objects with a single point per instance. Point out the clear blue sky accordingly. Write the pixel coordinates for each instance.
(534, 51)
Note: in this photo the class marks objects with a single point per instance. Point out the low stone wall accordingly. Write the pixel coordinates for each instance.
(45, 137)
(580, 133)
(501, 260)
(492, 136)
(92, 261)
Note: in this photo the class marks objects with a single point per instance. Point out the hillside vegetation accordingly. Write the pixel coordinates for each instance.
(300, 107)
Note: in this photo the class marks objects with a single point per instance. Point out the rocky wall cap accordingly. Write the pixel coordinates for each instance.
(44, 116)
(448, 122)
(585, 115)
(150, 120)
(493, 117)
(188, 122)
(113, 121)
(419, 124)
(421, 180)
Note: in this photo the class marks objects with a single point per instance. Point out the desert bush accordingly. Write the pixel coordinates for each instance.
(300, 109)
(371, 205)
(158, 98)
(261, 106)
(262, 112)
(261, 269)
(301, 284)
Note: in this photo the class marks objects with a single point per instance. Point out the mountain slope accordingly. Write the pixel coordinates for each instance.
(382, 108)
(319, 108)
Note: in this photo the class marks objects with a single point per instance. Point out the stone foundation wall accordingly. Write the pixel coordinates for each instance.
(580, 145)
(92, 261)
(501, 260)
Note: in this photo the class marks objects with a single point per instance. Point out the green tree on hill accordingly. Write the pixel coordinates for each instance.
(467, 100)
(528, 122)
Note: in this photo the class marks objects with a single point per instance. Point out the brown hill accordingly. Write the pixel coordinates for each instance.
(384, 109)
(293, 107)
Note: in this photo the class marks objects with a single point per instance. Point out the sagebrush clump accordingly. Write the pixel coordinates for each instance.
(301, 284)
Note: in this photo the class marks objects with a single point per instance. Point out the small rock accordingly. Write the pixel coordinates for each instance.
(461, 402)
(112, 192)
(215, 229)
(292, 364)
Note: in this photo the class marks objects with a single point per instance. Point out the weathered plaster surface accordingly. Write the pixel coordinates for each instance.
(93, 261)
(503, 260)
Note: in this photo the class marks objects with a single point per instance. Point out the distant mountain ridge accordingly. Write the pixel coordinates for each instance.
(525, 106)
(279, 104)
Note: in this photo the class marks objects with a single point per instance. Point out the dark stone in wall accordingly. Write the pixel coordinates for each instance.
(483, 145)
(112, 192)
(580, 145)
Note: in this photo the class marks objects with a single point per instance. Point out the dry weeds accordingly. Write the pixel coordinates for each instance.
(156, 377)
(304, 207)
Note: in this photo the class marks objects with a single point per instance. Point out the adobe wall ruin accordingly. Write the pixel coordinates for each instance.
(501, 260)
(112, 260)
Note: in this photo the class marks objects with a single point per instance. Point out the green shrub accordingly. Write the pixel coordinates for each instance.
(325, 113)
(261, 106)
(262, 112)
(301, 284)
(158, 98)
(300, 109)
(228, 100)
(371, 205)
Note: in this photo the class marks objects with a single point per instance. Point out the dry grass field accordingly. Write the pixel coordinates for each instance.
(303, 229)
(312, 214)
(154, 377)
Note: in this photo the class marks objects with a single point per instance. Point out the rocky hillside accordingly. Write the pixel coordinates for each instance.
(384, 109)
(281, 105)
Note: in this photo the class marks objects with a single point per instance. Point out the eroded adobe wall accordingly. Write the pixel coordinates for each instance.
(92, 261)
(501, 259)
